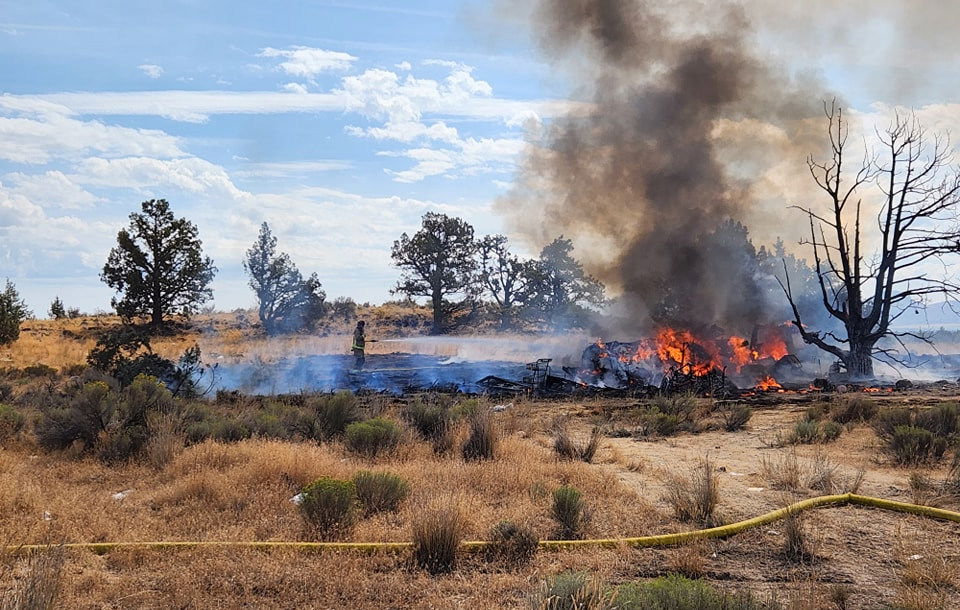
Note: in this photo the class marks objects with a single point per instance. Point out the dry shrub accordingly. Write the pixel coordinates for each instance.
(783, 473)
(915, 445)
(571, 591)
(839, 596)
(512, 544)
(209, 455)
(689, 560)
(39, 582)
(166, 439)
(208, 490)
(735, 416)
(11, 421)
(334, 412)
(927, 581)
(380, 491)
(805, 432)
(826, 477)
(695, 497)
(481, 444)
(568, 449)
(795, 545)
(437, 533)
(432, 418)
(923, 490)
(854, 408)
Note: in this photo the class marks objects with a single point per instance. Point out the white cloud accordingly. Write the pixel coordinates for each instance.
(308, 62)
(292, 168)
(198, 106)
(51, 189)
(34, 244)
(468, 156)
(403, 65)
(446, 63)
(295, 88)
(151, 70)
(190, 174)
(49, 134)
(311, 222)
(17, 210)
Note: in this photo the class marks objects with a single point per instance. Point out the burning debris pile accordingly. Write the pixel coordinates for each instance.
(680, 360)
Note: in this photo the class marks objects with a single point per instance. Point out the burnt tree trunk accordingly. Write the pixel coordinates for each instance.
(859, 359)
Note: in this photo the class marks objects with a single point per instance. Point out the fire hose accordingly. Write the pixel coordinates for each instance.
(657, 540)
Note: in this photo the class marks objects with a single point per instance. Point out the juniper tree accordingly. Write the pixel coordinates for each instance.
(158, 266)
(286, 302)
(438, 262)
(13, 311)
(57, 310)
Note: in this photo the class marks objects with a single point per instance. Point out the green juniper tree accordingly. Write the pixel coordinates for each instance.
(57, 310)
(286, 301)
(13, 311)
(438, 262)
(158, 266)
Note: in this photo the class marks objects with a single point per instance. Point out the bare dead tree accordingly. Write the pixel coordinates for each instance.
(867, 288)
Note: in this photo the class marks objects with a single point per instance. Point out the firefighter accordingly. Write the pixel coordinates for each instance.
(359, 345)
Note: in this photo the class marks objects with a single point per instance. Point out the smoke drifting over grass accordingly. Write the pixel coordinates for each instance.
(663, 156)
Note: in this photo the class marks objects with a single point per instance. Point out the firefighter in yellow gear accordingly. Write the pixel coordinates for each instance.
(359, 345)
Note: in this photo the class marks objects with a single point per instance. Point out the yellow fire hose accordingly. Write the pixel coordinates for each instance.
(659, 540)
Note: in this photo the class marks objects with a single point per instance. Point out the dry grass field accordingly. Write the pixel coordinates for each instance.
(241, 490)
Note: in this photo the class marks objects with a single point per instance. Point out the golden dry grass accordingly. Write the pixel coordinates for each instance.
(214, 491)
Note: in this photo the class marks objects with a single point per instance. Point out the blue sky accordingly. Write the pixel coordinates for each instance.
(338, 122)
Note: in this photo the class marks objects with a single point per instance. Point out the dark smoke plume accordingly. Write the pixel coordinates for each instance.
(638, 177)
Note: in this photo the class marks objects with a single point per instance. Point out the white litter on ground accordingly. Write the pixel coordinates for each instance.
(297, 499)
(120, 495)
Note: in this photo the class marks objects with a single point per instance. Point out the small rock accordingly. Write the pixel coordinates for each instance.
(120, 495)
(842, 389)
(503, 407)
(47, 516)
(915, 557)
(297, 499)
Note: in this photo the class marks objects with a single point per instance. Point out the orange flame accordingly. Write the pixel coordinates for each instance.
(769, 383)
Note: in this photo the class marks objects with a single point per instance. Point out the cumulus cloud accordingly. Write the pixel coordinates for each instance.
(308, 62)
(151, 70)
(33, 243)
(401, 103)
(51, 189)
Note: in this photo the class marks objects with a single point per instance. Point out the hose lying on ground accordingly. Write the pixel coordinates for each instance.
(659, 540)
